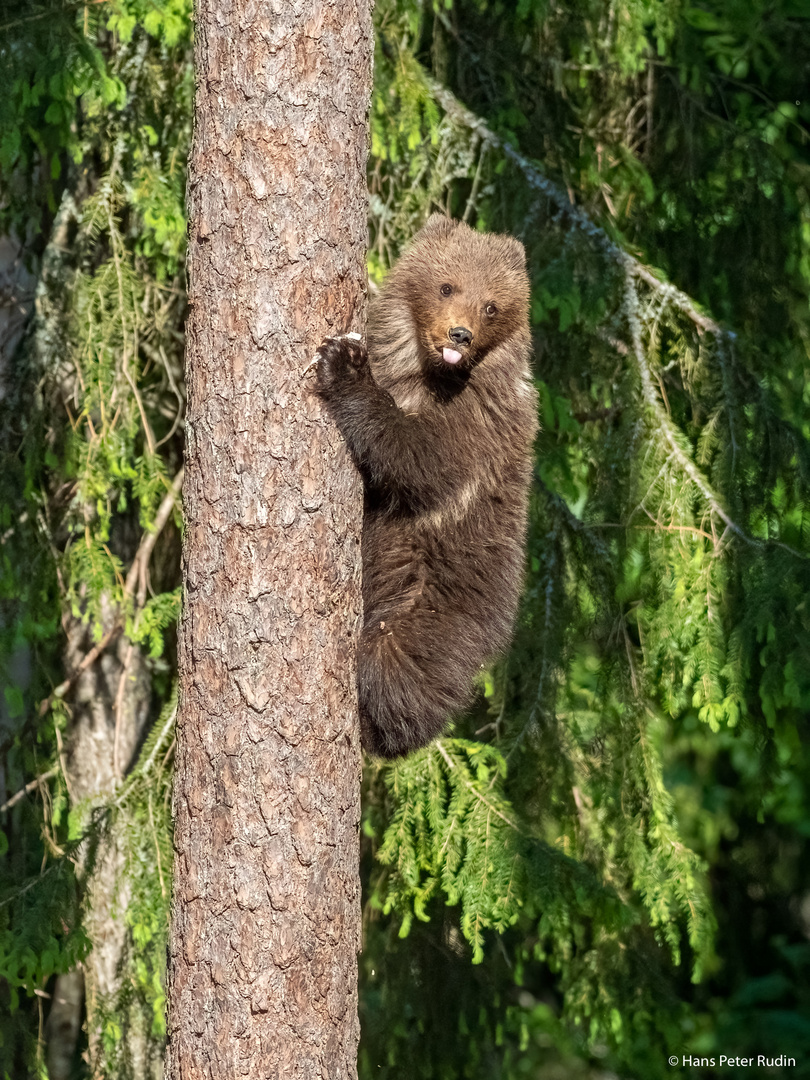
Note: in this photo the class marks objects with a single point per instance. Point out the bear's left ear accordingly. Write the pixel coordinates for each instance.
(437, 225)
(515, 254)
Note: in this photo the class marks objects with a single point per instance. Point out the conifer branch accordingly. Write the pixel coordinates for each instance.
(89, 659)
(471, 787)
(669, 294)
(118, 706)
(668, 430)
(29, 787)
(145, 768)
(136, 572)
(157, 846)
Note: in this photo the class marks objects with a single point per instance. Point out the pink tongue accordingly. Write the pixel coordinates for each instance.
(450, 356)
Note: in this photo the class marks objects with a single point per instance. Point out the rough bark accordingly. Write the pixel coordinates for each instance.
(64, 1021)
(266, 908)
(16, 303)
(17, 283)
(109, 717)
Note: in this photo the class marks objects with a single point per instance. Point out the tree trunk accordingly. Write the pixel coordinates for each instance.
(109, 716)
(16, 302)
(266, 909)
(64, 1021)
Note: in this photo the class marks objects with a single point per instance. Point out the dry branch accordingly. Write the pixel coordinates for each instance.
(137, 573)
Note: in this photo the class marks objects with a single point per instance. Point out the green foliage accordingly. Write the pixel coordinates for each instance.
(112, 450)
(606, 865)
(41, 932)
(156, 616)
(144, 825)
(28, 962)
(95, 119)
(449, 832)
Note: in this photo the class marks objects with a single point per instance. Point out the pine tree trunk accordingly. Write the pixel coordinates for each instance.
(266, 908)
(109, 717)
(64, 1022)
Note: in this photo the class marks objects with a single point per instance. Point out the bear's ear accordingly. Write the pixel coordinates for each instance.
(515, 254)
(436, 227)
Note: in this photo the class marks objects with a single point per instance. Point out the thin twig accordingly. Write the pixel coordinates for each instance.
(476, 182)
(667, 428)
(136, 571)
(170, 719)
(29, 787)
(118, 708)
(659, 526)
(157, 847)
(90, 658)
(142, 770)
(60, 750)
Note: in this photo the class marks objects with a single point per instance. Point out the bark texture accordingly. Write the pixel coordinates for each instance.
(64, 1022)
(109, 718)
(16, 302)
(266, 908)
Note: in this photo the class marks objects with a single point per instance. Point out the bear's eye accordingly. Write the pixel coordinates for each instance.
(446, 290)
(491, 310)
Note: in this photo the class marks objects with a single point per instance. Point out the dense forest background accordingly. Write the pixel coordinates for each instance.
(606, 863)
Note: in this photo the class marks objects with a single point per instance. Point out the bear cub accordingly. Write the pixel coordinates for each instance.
(439, 414)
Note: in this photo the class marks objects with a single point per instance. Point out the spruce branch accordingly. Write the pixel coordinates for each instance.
(156, 839)
(115, 245)
(146, 767)
(474, 790)
(118, 706)
(471, 201)
(668, 294)
(136, 574)
(29, 787)
(667, 427)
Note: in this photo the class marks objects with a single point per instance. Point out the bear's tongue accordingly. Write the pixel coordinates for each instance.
(450, 356)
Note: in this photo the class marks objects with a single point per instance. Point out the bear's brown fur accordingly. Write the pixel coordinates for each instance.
(439, 414)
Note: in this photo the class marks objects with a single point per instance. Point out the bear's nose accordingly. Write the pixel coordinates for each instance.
(460, 335)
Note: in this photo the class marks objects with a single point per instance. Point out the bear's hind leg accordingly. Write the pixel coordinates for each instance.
(408, 684)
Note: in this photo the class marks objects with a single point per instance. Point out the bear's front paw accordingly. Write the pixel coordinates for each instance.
(340, 360)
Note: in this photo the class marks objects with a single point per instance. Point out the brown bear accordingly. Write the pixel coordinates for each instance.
(439, 414)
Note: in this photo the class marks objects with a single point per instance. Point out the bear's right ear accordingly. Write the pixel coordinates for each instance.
(437, 227)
